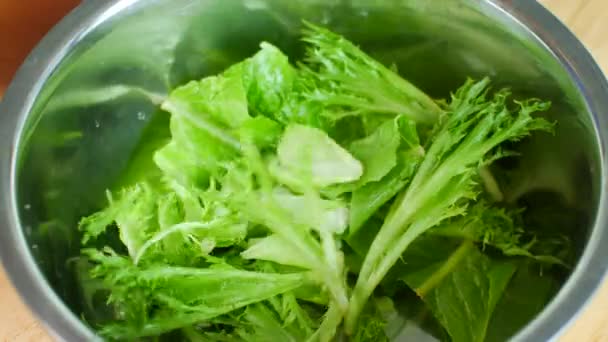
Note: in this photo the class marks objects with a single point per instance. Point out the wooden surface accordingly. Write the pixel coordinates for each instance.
(587, 18)
(22, 24)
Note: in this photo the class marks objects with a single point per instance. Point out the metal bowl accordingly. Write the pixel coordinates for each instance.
(74, 114)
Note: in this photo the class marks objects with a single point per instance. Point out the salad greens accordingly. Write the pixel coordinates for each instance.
(293, 203)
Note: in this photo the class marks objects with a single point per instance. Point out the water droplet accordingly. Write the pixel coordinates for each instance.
(364, 13)
(34, 246)
(27, 206)
(28, 230)
(97, 124)
(141, 116)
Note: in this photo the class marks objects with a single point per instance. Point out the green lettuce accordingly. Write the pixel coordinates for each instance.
(318, 201)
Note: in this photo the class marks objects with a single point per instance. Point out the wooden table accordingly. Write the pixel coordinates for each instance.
(587, 18)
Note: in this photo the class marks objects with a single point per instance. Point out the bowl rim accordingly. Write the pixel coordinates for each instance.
(591, 269)
(63, 324)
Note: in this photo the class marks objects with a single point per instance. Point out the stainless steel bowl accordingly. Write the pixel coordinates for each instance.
(73, 115)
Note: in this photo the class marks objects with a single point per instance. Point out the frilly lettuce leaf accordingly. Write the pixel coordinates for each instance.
(181, 296)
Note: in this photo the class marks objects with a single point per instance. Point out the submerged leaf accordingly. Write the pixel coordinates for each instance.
(525, 296)
(496, 227)
(465, 287)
